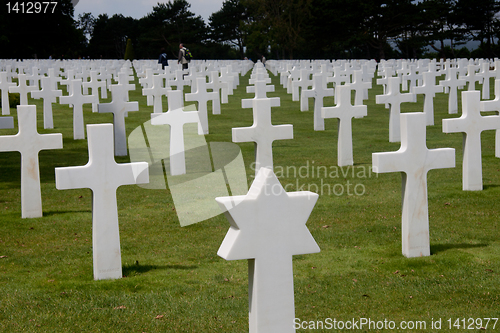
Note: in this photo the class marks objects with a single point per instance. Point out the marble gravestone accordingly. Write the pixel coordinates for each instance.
(319, 91)
(472, 77)
(49, 96)
(103, 176)
(220, 88)
(77, 99)
(23, 89)
(344, 111)
(303, 83)
(94, 84)
(156, 92)
(147, 83)
(494, 105)
(262, 132)
(394, 98)
(486, 74)
(29, 143)
(471, 124)
(359, 87)
(429, 90)
(4, 87)
(452, 83)
(411, 77)
(176, 117)
(414, 160)
(202, 96)
(268, 227)
(119, 107)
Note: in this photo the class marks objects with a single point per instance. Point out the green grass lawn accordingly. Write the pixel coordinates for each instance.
(175, 282)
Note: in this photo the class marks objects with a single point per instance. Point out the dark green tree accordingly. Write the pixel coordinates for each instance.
(480, 19)
(384, 21)
(129, 51)
(334, 31)
(172, 23)
(110, 34)
(85, 24)
(440, 25)
(278, 24)
(226, 25)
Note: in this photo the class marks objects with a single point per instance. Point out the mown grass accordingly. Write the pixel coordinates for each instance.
(175, 282)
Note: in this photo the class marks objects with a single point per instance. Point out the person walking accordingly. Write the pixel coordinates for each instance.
(182, 56)
(162, 59)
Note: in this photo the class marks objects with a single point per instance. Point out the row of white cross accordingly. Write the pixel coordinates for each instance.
(101, 151)
(413, 150)
(277, 212)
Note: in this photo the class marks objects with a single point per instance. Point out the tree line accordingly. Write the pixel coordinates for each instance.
(279, 29)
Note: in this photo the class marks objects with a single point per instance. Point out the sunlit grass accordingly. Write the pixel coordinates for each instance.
(175, 282)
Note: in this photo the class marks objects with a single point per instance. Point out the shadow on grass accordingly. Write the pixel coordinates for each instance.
(60, 212)
(135, 269)
(486, 187)
(444, 247)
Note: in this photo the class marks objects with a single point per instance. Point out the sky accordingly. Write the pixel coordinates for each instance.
(140, 8)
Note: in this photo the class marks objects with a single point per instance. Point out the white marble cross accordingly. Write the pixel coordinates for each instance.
(429, 90)
(22, 89)
(178, 82)
(202, 96)
(338, 77)
(70, 76)
(77, 100)
(94, 84)
(386, 74)
(215, 85)
(262, 132)
(119, 107)
(54, 78)
(29, 143)
(303, 83)
(486, 74)
(294, 76)
(394, 98)
(471, 124)
(220, 88)
(176, 117)
(34, 77)
(344, 111)
(472, 77)
(105, 76)
(319, 91)
(452, 83)
(412, 77)
(268, 227)
(4, 87)
(147, 82)
(414, 160)
(49, 96)
(359, 87)
(260, 89)
(494, 105)
(156, 91)
(124, 79)
(103, 176)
